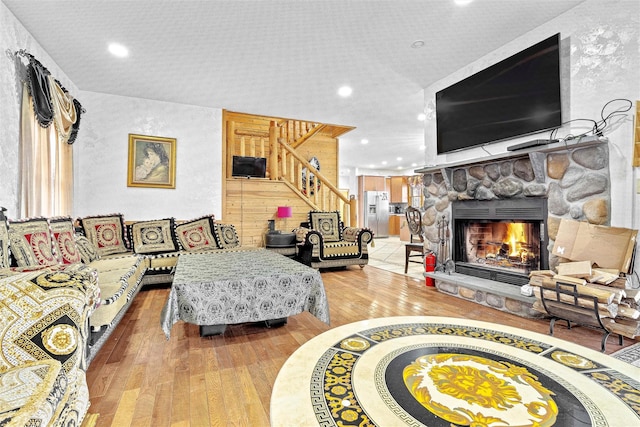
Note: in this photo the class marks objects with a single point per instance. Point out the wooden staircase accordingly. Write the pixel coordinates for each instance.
(287, 145)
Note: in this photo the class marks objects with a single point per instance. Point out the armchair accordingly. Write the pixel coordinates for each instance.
(324, 242)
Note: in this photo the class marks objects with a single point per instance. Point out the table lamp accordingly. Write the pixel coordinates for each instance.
(284, 212)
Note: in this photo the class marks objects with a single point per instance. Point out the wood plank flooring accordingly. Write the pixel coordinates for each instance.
(140, 379)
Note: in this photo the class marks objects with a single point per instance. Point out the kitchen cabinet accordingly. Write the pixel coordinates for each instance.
(394, 224)
(371, 183)
(399, 189)
(405, 234)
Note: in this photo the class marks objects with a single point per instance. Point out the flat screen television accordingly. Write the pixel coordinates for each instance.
(517, 96)
(250, 167)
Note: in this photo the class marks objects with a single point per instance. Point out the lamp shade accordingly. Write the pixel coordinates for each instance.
(284, 212)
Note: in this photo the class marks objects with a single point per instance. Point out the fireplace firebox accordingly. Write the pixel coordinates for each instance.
(500, 240)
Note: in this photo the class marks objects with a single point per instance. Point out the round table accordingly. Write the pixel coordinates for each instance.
(440, 371)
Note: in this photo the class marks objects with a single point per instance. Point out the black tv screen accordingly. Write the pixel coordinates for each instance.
(253, 167)
(517, 96)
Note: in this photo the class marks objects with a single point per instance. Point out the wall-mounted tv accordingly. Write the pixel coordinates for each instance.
(250, 167)
(517, 96)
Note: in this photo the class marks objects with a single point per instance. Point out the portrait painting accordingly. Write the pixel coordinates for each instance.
(152, 161)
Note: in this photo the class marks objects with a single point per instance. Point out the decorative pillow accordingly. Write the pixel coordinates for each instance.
(106, 233)
(30, 242)
(154, 237)
(87, 250)
(4, 242)
(328, 224)
(32, 393)
(226, 236)
(63, 232)
(196, 234)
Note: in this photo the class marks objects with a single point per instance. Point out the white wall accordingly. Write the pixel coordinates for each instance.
(600, 48)
(101, 155)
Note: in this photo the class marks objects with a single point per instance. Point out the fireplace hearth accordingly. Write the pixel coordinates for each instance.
(500, 240)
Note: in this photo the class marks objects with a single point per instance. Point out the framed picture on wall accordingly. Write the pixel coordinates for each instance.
(152, 162)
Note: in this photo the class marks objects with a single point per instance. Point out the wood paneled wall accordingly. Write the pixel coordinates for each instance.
(251, 203)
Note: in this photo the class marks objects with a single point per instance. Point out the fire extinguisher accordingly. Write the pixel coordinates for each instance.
(430, 266)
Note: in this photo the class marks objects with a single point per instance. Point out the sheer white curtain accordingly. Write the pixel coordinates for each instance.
(46, 182)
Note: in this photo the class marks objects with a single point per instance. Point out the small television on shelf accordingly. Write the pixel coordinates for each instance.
(515, 97)
(250, 167)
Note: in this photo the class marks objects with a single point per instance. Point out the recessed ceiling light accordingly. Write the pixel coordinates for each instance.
(413, 165)
(364, 141)
(345, 91)
(422, 117)
(399, 167)
(417, 44)
(384, 162)
(398, 158)
(423, 147)
(118, 50)
(462, 2)
(372, 166)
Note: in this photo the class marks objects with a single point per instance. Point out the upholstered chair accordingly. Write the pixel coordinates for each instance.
(325, 242)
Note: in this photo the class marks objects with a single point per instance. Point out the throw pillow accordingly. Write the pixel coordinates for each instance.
(154, 237)
(4, 242)
(226, 236)
(63, 232)
(196, 234)
(106, 233)
(87, 250)
(30, 242)
(328, 224)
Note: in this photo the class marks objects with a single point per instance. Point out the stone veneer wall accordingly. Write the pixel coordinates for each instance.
(575, 181)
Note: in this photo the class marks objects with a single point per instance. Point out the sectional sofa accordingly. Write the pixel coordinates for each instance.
(74, 280)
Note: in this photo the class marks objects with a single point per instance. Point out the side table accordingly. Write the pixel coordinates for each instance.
(282, 243)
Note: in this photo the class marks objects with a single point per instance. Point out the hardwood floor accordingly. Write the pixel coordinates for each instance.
(140, 379)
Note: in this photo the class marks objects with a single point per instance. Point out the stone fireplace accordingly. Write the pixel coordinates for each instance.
(480, 199)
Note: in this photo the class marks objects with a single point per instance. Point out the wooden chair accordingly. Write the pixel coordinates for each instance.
(414, 249)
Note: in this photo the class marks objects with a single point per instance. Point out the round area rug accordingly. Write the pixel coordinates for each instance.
(435, 371)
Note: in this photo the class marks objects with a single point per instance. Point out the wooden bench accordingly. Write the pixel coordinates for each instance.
(566, 302)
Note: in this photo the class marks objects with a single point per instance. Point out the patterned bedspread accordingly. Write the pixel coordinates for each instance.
(237, 287)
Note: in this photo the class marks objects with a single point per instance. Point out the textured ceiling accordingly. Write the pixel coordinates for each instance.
(285, 58)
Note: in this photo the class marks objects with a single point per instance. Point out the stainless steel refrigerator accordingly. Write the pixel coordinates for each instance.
(376, 209)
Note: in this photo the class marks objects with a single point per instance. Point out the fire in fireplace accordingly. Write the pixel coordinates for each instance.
(501, 240)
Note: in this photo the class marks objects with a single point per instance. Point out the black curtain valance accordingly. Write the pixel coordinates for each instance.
(39, 85)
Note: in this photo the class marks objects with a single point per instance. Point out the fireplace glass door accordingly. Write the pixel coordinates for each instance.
(501, 240)
(511, 246)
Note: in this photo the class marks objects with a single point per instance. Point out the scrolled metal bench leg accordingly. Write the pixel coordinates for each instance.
(603, 346)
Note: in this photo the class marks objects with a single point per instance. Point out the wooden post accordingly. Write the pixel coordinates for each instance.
(231, 146)
(273, 151)
(353, 211)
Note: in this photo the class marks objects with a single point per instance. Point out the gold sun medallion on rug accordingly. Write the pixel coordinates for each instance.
(476, 391)
(355, 344)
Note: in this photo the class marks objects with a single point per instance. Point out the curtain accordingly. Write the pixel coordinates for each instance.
(46, 182)
(49, 125)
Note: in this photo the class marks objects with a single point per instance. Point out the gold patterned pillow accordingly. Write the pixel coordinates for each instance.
(63, 232)
(226, 236)
(106, 232)
(33, 393)
(328, 224)
(154, 237)
(196, 234)
(87, 250)
(30, 242)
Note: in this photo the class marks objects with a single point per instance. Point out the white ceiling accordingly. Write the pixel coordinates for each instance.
(285, 58)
